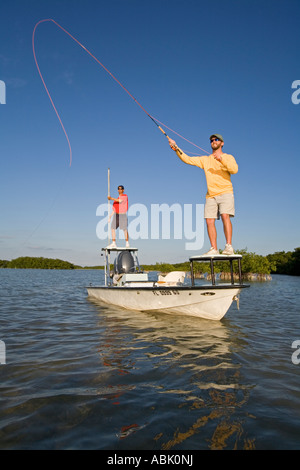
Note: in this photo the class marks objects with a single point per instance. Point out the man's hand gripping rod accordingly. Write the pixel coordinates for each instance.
(174, 148)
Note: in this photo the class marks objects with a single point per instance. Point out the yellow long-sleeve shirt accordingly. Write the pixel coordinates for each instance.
(217, 173)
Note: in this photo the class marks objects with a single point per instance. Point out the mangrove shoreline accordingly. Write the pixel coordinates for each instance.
(255, 267)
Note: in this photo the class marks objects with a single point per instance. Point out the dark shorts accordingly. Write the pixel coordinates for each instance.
(119, 221)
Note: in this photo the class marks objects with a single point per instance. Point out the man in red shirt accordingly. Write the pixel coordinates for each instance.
(119, 214)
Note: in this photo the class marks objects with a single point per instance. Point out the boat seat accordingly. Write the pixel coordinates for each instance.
(172, 278)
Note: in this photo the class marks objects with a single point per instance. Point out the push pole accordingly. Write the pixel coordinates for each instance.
(108, 194)
(107, 252)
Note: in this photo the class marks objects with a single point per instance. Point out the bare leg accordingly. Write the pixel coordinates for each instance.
(227, 225)
(113, 234)
(212, 232)
(126, 235)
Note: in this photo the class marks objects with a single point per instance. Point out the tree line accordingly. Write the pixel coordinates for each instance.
(28, 262)
(286, 263)
(280, 262)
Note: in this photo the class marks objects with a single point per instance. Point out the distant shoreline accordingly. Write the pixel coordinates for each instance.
(223, 276)
(254, 266)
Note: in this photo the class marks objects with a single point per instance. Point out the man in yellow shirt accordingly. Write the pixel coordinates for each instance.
(218, 167)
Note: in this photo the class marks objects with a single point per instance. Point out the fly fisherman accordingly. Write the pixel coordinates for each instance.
(119, 214)
(218, 167)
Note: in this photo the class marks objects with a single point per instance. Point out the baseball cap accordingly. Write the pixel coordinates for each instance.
(218, 137)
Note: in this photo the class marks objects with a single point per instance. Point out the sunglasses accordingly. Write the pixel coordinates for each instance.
(213, 140)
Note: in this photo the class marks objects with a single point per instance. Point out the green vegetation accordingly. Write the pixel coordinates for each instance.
(279, 262)
(286, 263)
(28, 262)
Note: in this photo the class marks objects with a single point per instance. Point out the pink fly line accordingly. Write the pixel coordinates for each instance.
(156, 121)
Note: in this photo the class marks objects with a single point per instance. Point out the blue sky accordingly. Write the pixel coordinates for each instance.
(199, 67)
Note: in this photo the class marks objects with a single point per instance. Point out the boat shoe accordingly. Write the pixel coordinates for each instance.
(228, 250)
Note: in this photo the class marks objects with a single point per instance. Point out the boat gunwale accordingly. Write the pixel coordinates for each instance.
(182, 288)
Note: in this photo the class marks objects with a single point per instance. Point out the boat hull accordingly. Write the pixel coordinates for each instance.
(209, 302)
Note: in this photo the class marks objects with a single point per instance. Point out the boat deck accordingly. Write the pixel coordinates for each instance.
(119, 248)
(215, 257)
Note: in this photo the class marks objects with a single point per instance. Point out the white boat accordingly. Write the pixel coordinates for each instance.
(129, 287)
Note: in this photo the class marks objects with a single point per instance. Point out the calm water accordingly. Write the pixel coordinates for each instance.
(81, 375)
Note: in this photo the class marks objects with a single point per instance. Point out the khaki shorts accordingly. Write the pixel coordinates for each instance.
(215, 206)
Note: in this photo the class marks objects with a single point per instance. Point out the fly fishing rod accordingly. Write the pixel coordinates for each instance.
(161, 129)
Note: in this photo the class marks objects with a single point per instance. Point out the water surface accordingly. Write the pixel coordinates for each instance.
(84, 375)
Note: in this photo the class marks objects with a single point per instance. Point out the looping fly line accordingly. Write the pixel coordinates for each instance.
(156, 121)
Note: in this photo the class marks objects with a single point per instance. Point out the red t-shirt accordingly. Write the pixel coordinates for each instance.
(121, 207)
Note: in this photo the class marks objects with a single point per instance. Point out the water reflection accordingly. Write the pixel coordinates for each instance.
(188, 365)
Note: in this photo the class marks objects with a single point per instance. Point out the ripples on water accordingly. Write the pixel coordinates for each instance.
(81, 375)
